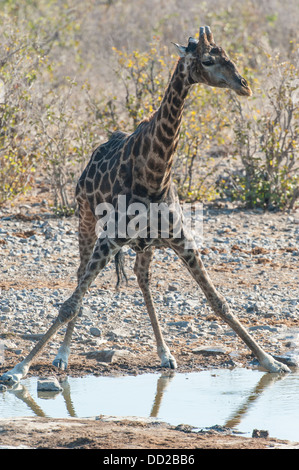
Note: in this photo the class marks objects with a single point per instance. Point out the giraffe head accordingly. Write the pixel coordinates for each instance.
(208, 63)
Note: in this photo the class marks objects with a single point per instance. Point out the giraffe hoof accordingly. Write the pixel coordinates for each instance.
(9, 379)
(280, 367)
(169, 362)
(274, 366)
(60, 364)
(13, 376)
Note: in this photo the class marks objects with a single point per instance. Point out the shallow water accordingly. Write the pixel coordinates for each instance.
(242, 399)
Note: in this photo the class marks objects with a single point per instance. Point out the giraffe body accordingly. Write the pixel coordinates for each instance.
(138, 167)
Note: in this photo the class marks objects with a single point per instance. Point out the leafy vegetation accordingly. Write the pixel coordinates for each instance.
(267, 142)
(72, 72)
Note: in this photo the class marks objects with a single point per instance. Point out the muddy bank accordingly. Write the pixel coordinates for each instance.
(121, 433)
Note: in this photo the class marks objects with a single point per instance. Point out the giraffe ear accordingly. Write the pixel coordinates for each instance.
(180, 49)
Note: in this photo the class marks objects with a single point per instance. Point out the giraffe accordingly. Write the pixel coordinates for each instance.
(138, 167)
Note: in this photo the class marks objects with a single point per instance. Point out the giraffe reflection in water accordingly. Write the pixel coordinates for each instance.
(163, 383)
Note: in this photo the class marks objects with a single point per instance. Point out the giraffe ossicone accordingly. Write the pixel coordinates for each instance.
(138, 167)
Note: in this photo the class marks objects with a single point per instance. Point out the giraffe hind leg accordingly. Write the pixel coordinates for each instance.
(120, 268)
(191, 258)
(142, 271)
(63, 353)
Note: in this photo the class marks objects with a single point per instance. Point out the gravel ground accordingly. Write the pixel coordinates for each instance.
(251, 256)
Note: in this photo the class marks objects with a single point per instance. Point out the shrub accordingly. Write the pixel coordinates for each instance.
(267, 141)
(19, 66)
(50, 124)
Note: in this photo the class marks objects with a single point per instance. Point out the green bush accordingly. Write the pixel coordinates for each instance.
(246, 151)
(37, 126)
(267, 141)
(18, 151)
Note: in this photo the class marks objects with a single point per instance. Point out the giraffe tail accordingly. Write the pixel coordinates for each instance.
(120, 268)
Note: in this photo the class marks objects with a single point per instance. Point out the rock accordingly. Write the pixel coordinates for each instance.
(168, 299)
(253, 308)
(49, 384)
(179, 324)
(32, 337)
(263, 327)
(107, 355)
(260, 433)
(117, 333)
(5, 309)
(290, 358)
(95, 331)
(173, 287)
(184, 428)
(214, 326)
(210, 351)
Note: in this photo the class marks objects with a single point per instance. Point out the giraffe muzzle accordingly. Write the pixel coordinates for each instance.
(243, 89)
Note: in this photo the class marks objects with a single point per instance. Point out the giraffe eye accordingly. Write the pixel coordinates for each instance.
(208, 63)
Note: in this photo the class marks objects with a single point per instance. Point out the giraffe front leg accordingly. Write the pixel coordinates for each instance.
(192, 259)
(87, 239)
(13, 376)
(101, 255)
(68, 311)
(142, 271)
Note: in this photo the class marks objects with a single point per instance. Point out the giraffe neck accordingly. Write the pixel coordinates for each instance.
(159, 136)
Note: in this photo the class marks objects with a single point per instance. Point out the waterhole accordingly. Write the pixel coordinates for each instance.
(241, 399)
